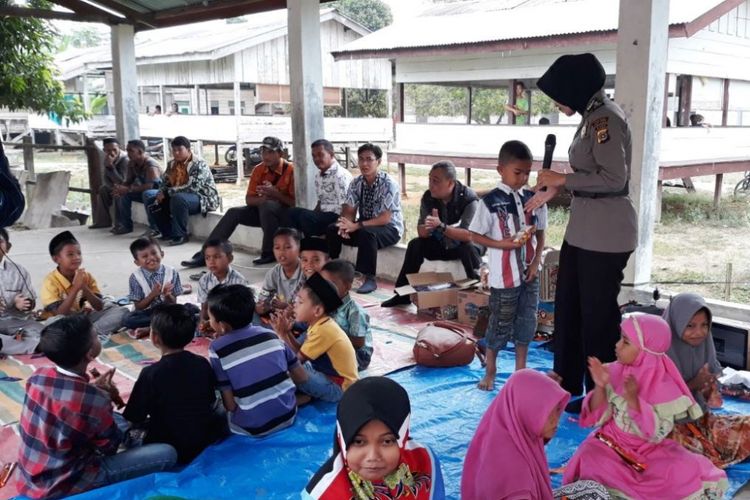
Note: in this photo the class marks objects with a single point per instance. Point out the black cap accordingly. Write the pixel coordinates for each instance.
(325, 291)
(318, 244)
(272, 143)
(60, 240)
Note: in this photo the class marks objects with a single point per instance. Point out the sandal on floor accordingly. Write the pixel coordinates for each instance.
(197, 276)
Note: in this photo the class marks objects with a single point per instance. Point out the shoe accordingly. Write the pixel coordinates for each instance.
(267, 259)
(370, 285)
(151, 233)
(180, 240)
(99, 226)
(396, 300)
(198, 261)
(574, 406)
(121, 230)
(197, 276)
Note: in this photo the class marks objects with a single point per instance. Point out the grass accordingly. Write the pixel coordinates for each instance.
(693, 242)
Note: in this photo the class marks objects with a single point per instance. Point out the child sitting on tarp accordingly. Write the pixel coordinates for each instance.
(283, 280)
(69, 438)
(373, 453)
(520, 421)
(218, 255)
(19, 333)
(255, 371)
(150, 285)
(724, 439)
(70, 289)
(326, 353)
(635, 404)
(174, 399)
(350, 316)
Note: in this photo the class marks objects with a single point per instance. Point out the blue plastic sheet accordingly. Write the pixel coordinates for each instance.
(446, 407)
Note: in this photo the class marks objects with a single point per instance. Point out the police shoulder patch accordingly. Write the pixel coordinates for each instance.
(601, 128)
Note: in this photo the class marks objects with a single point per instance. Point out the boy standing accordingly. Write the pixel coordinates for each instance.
(218, 254)
(19, 333)
(326, 354)
(515, 252)
(150, 285)
(176, 394)
(256, 372)
(69, 289)
(351, 317)
(69, 437)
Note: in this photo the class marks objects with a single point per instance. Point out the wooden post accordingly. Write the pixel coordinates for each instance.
(216, 153)
(468, 176)
(528, 111)
(468, 111)
(717, 190)
(512, 94)
(725, 104)
(94, 160)
(685, 90)
(728, 283)
(666, 100)
(402, 178)
(28, 158)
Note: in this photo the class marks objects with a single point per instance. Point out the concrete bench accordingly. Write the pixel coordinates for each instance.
(390, 259)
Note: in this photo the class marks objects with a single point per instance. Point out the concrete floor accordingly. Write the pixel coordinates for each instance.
(107, 257)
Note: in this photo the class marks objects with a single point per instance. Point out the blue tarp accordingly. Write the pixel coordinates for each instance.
(446, 407)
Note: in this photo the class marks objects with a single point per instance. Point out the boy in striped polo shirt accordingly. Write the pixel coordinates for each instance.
(255, 371)
(515, 239)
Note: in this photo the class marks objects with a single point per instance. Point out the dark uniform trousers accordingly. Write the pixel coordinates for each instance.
(420, 249)
(587, 314)
(269, 216)
(368, 240)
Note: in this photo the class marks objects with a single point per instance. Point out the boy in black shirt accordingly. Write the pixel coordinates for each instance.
(177, 392)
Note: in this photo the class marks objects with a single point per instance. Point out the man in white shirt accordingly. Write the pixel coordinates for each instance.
(331, 185)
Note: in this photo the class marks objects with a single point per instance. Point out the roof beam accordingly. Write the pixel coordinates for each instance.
(214, 10)
(53, 14)
(706, 18)
(131, 14)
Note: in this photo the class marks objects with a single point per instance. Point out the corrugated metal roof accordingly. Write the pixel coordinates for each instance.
(478, 22)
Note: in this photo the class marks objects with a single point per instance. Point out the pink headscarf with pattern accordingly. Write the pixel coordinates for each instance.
(659, 380)
(506, 456)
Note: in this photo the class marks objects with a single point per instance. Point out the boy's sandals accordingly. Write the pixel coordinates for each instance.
(197, 276)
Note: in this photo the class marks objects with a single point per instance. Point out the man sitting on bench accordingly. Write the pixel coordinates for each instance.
(445, 213)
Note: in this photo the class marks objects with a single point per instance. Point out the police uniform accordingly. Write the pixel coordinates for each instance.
(601, 235)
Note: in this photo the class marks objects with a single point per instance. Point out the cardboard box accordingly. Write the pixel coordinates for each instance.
(469, 304)
(428, 290)
(545, 317)
(442, 313)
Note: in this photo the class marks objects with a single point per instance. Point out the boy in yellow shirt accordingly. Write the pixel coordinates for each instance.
(70, 289)
(327, 354)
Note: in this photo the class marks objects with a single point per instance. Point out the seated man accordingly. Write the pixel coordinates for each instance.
(270, 194)
(445, 213)
(143, 173)
(115, 168)
(331, 185)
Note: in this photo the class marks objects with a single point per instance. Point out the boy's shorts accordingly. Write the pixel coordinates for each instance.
(512, 315)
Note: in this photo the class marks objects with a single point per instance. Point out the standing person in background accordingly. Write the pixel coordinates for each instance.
(115, 170)
(602, 231)
(521, 108)
(331, 185)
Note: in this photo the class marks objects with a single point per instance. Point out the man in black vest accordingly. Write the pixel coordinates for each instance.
(445, 213)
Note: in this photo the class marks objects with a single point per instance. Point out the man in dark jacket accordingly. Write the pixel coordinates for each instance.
(445, 213)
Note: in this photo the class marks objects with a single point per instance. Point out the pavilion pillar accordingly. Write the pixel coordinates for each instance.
(641, 66)
(306, 85)
(240, 154)
(125, 82)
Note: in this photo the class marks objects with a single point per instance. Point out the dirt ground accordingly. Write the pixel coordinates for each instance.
(691, 244)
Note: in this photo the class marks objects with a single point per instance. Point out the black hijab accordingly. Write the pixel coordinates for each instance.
(573, 80)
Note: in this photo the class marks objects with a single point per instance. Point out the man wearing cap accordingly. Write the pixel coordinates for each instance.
(115, 169)
(270, 194)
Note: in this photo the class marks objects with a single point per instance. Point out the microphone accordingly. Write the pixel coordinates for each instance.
(549, 148)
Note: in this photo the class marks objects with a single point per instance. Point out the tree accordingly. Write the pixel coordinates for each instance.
(372, 14)
(27, 69)
(81, 38)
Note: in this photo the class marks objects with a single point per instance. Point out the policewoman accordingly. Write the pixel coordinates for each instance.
(602, 231)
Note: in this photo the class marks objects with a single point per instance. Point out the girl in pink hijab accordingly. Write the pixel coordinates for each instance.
(506, 459)
(635, 404)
